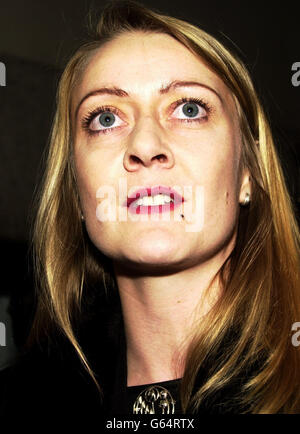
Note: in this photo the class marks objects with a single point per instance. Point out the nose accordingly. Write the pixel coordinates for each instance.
(147, 146)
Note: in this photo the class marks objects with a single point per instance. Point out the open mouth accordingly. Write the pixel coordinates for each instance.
(153, 200)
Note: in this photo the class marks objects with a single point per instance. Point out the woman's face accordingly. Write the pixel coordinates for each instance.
(147, 136)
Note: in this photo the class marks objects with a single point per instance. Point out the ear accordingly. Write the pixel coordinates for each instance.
(245, 189)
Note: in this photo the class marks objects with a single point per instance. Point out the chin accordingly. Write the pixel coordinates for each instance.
(157, 258)
(155, 253)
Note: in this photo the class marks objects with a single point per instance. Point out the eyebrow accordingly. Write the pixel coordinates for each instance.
(163, 90)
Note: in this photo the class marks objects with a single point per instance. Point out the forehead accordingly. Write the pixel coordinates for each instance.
(140, 63)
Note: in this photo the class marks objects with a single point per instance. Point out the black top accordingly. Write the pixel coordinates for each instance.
(50, 382)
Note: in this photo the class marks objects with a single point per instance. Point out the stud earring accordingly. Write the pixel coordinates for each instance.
(82, 217)
(246, 200)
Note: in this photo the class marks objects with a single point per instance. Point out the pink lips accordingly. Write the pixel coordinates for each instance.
(152, 191)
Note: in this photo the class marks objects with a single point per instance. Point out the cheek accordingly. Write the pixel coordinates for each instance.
(222, 201)
(92, 173)
(218, 174)
(88, 176)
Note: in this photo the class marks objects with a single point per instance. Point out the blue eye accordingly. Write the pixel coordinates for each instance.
(106, 119)
(190, 109)
(100, 120)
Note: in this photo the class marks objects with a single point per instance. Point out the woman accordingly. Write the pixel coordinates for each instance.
(201, 281)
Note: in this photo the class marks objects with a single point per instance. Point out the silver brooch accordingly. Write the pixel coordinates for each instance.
(154, 400)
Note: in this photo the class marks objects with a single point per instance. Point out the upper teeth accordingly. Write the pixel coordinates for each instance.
(158, 199)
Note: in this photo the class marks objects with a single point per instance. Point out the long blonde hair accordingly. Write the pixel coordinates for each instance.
(261, 277)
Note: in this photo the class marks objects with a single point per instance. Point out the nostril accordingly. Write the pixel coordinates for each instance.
(161, 157)
(135, 159)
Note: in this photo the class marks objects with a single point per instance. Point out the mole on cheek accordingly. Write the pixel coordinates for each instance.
(227, 194)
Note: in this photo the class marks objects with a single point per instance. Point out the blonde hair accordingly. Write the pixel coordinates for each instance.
(261, 278)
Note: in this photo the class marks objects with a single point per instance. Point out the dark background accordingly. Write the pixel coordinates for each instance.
(37, 38)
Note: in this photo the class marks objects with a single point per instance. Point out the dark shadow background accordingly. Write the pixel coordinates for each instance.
(37, 38)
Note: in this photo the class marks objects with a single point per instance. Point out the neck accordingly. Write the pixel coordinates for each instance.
(159, 314)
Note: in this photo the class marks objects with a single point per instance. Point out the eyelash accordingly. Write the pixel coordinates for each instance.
(87, 120)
